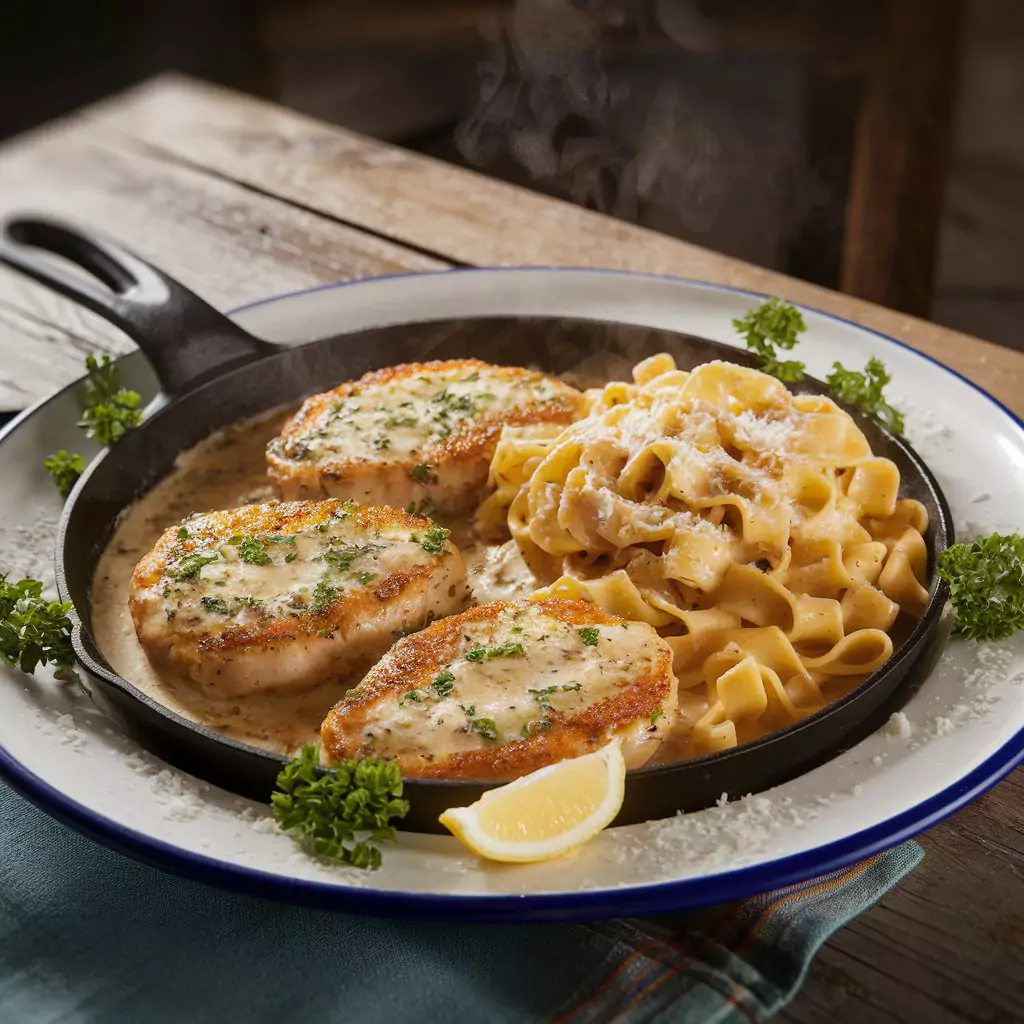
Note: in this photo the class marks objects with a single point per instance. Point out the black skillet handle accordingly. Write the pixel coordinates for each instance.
(186, 341)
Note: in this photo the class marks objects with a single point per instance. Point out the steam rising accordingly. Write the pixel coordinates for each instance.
(616, 106)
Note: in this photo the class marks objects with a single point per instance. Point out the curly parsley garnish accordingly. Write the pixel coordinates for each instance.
(864, 390)
(215, 604)
(986, 585)
(33, 630)
(775, 324)
(110, 412)
(343, 813)
(778, 325)
(589, 635)
(111, 409)
(65, 469)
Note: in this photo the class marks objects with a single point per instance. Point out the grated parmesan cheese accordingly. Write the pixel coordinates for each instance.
(898, 726)
(63, 727)
(740, 831)
(26, 551)
(767, 435)
(178, 802)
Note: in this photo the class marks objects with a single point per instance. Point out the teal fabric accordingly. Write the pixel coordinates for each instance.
(88, 935)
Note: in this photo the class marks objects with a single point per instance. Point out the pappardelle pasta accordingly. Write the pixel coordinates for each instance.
(753, 528)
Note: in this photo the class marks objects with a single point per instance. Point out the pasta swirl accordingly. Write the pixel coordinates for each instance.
(754, 528)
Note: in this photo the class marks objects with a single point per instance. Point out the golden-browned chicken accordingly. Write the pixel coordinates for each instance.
(285, 595)
(501, 689)
(413, 434)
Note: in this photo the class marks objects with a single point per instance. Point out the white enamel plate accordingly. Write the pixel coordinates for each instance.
(964, 731)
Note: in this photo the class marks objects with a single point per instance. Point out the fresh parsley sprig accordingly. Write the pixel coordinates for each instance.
(339, 814)
(111, 409)
(33, 630)
(773, 325)
(986, 585)
(776, 324)
(65, 469)
(864, 390)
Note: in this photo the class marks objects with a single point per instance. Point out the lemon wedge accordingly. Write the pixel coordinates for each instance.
(545, 814)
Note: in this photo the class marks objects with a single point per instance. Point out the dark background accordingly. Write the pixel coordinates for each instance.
(877, 147)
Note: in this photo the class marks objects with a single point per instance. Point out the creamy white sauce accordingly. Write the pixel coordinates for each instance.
(497, 572)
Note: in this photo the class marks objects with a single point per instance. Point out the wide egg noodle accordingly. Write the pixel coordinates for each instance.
(754, 528)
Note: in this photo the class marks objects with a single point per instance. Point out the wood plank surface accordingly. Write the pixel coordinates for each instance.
(241, 199)
(230, 244)
(464, 217)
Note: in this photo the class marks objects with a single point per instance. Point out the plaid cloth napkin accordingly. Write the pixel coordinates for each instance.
(89, 935)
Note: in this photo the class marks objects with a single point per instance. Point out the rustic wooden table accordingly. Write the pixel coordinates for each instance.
(241, 199)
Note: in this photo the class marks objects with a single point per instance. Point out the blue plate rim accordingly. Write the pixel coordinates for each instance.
(655, 897)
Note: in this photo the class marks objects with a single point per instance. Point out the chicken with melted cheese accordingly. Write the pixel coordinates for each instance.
(502, 689)
(285, 595)
(416, 436)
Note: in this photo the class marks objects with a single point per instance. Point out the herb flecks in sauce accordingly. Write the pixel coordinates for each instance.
(421, 473)
(435, 539)
(443, 683)
(253, 551)
(324, 595)
(505, 650)
(187, 566)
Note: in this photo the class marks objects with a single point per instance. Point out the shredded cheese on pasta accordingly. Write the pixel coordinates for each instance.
(754, 528)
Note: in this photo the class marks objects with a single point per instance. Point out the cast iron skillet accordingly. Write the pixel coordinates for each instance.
(213, 374)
